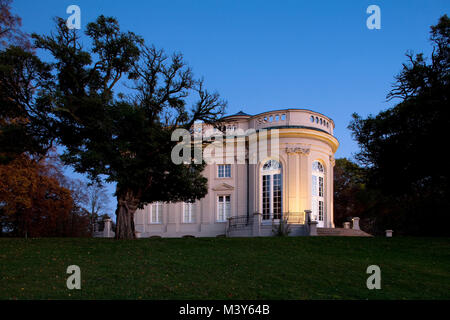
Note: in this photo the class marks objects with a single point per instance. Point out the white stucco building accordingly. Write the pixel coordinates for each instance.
(249, 198)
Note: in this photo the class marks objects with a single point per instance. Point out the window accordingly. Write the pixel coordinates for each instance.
(224, 170)
(317, 167)
(320, 186)
(320, 210)
(156, 212)
(276, 196)
(266, 197)
(189, 209)
(317, 193)
(271, 165)
(223, 208)
(271, 190)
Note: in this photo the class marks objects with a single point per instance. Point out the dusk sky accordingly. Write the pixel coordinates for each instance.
(267, 55)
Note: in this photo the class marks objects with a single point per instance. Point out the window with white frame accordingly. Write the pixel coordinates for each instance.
(317, 192)
(156, 212)
(223, 207)
(271, 190)
(224, 170)
(189, 209)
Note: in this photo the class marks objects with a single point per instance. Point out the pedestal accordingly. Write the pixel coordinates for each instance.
(356, 223)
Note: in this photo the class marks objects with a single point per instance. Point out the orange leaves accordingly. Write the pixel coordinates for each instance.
(16, 184)
(33, 202)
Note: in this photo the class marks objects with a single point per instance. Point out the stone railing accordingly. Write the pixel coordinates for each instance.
(281, 118)
(293, 117)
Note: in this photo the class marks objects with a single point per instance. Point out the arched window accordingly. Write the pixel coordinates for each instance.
(318, 193)
(271, 190)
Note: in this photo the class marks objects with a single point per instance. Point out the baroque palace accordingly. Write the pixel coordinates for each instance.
(251, 198)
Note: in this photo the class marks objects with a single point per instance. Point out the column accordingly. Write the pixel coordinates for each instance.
(291, 176)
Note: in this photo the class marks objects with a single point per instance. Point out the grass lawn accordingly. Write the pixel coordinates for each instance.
(226, 268)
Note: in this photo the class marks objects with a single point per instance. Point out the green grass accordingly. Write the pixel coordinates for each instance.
(224, 268)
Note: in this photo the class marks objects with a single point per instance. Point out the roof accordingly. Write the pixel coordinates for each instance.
(243, 114)
(240, 113)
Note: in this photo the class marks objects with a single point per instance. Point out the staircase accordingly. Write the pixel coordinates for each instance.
(341, 232)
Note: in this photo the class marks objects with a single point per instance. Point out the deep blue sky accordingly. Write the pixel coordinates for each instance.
(264, 55)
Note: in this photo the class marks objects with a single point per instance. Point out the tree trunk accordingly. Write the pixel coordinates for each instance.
(127, 204)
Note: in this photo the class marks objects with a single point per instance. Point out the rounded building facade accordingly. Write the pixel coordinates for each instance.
(292, 175)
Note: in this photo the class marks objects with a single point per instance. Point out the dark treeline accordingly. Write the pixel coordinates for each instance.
(400, 180)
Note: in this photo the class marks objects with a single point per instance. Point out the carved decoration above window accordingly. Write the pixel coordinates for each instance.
(297, 149)
(271, 165)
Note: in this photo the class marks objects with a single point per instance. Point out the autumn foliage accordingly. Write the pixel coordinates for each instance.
(10, 24)
(33, 203)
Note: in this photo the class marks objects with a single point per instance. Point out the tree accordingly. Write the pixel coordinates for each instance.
(96, 203)
(10, 33)
(79, 224)
(354, 198)
(349, 183)
(80, 217)
(89, 200)
(398, 144)
(37, 199)
(125, 136)
(25, 122)
(24, 126)
(33, 204)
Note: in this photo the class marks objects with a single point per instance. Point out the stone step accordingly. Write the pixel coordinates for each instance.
(341, 232)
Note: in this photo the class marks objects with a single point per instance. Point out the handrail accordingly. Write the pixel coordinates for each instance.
(242, 221)
(294, 217)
